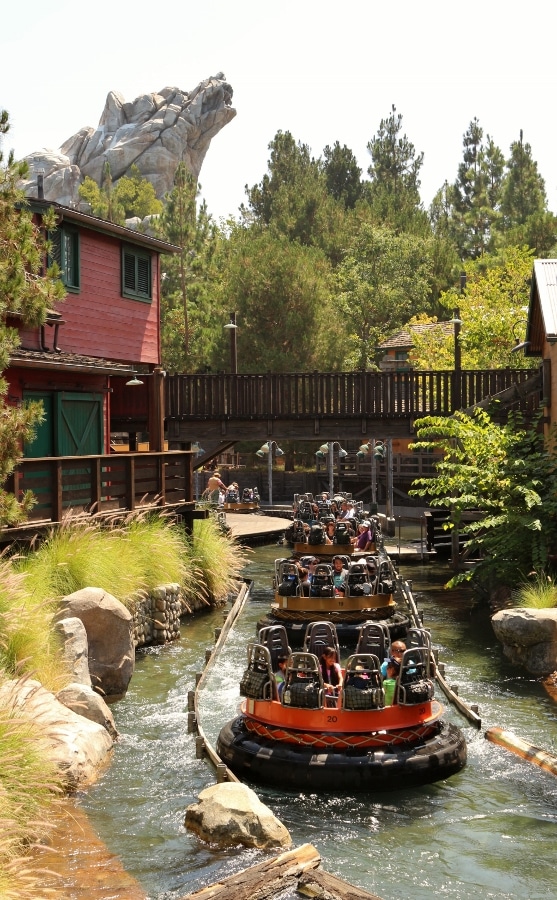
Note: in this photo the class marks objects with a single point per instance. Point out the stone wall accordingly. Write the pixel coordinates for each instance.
(157, 614)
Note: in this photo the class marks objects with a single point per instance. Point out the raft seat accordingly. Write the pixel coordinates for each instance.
(320, 635)
(374, 638)
(303, 682)
(275, 639)
(258, 682)
(362, 683)
(414, 682)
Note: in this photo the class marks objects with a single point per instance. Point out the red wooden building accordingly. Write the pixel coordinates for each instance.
(104, 334)
(107, 326)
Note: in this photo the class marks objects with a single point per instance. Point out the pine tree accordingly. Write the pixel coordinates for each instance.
(525, 218)
(188, 284)
(342, 175)
(474, 198)
(26, 291)
(394, 189)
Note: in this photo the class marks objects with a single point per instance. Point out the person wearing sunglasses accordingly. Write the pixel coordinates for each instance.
(396, 653)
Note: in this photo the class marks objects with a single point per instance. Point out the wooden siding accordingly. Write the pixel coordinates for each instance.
(98, 320)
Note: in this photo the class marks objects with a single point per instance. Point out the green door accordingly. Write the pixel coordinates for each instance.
(43, 444)
(78, 424)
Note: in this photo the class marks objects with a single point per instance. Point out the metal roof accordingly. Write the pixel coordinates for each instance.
(544, 287)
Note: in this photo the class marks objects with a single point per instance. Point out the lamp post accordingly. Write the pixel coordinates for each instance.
(456, 322)
(267, 450)
(199, 451)
(327, 451)
(379, 450)
(232, 328)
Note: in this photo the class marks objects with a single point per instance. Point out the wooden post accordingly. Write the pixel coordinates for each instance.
(57, 494)
(156, 410)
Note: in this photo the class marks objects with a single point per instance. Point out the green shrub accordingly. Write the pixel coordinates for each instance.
(541, 593)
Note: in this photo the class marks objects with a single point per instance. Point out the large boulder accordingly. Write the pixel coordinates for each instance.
(154, 132)
(231, 813)
(84, 701)
(75, 648)
(109, 627)
(529, 638)
(79, 748)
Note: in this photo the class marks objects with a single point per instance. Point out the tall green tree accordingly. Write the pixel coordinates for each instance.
(525, 218)
(189, 290)
(382, 282)
(475, 197)
(394, 188)
(293, 198)
(506, 473)
(25, 289)
(281, 291)
(493, 310)
(343, 175)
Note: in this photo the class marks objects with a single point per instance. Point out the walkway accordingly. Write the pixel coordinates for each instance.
(255, 528)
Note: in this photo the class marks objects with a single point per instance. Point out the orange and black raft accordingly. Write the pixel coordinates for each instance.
(300, 737)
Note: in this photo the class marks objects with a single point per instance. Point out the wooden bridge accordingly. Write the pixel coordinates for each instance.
(220, 410)
(326, 406)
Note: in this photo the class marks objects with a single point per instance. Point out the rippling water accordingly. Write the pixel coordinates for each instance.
(488, 832)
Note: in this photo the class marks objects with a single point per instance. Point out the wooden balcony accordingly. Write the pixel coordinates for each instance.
(101, 486)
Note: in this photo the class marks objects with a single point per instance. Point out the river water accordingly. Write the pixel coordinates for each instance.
(488, 832)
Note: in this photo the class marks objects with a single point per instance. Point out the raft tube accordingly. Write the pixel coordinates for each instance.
(347, 632)
(290, 766)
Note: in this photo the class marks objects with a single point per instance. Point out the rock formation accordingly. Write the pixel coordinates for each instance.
(108, 625)
(231, 813)
(155, 132)
(79, 748)
(529, 638)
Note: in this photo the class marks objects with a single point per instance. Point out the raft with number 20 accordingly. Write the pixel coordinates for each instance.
(304, 739)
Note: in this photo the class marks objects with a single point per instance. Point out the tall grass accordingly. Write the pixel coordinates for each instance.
(138, 555)
(540, 593)
(29, 784)
(218, 560)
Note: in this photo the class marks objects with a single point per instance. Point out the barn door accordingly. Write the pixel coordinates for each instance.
(78, 424)
(43, 442)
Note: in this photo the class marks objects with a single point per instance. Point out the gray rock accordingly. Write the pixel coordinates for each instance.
(75, 648)
(109, 628)
(86, 702)
(155, 132)
(529, 638)
(231, 813)
(79, 748)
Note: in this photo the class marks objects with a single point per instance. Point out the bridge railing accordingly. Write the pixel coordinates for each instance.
(335, 394)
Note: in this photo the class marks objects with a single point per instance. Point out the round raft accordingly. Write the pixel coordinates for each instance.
(297, 767)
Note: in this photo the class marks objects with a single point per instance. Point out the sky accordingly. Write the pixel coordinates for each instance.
(324, 71)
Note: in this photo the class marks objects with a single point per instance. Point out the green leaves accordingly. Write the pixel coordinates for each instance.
(24, 289)
(504, 474)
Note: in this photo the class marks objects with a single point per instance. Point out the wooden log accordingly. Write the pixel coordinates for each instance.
(323, 886)
(510, 741)
(263, 880)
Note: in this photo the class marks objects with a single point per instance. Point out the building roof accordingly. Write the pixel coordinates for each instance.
(68, 214)
(403, 340)
(542, 316)
(67, 362)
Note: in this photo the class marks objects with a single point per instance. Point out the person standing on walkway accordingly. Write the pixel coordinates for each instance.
(213, 489)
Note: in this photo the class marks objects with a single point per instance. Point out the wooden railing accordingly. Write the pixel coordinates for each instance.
(333, 394)
(80, 485)
(405, 466)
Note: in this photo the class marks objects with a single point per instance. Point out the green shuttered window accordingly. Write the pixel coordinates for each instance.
(64, 249)
(136, 274)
